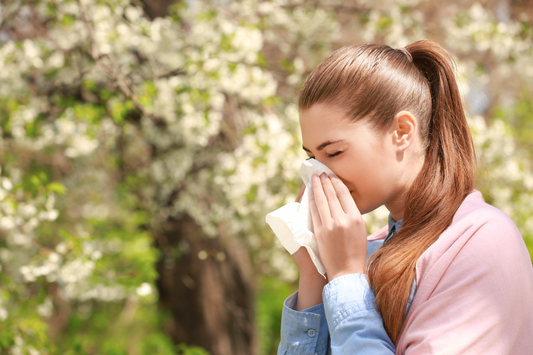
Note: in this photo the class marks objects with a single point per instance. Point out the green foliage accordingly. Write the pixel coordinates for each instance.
(121, 328)
(271, 294)
(190, 350)
(520, 116)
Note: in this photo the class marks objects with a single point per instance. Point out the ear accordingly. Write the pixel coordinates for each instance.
(404, 129)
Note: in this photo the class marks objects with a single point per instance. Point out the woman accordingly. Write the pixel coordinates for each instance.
(451, 274)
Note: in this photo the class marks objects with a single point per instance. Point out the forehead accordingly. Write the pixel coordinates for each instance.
(324, 122)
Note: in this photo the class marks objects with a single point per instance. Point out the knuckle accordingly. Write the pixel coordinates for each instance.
(344, 223)
(326, 183)
(360, 222)
(356, 220)
(330, 194)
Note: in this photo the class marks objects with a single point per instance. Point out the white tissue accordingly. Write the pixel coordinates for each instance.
(292, 223)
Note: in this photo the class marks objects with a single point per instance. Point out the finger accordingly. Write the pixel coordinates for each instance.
(345, 198)
(315, 216)
(331, 195)
(321, 201)
(300, 194)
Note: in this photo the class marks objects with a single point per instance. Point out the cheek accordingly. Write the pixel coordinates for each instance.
(362, 172)
(365, 177)
(338, 166)
(348, 173)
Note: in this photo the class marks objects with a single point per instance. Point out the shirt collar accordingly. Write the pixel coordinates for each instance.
(393, 225)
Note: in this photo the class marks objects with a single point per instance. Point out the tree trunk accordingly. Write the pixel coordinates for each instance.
(206, 284)
(157, 8)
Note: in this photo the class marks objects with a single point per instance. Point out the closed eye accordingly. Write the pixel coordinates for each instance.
(334, 154)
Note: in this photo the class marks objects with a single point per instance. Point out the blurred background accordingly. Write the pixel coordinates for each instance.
(142, 143)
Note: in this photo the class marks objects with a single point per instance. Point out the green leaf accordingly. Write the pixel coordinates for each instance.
(56, 187)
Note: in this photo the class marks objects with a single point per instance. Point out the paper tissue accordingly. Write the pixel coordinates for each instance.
(292, 223)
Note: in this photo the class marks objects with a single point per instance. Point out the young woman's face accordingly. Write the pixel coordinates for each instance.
(366, 161)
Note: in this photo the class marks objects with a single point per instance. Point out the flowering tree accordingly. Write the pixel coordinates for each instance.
(122, 131)
(139, 157)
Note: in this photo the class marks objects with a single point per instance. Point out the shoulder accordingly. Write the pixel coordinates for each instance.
(486, 229)
(475, 212)
(478, 222)
(480, 235)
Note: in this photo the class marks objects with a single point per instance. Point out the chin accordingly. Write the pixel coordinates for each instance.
(363, 207)
(358, 203)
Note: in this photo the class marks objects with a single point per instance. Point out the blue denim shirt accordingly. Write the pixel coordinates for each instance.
(347, 322)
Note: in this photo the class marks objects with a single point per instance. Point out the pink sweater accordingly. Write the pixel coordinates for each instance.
(474, 288)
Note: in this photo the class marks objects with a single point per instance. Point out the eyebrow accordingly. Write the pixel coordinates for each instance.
(323, 145)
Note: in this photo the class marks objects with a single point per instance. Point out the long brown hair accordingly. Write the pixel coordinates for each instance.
(374, 82)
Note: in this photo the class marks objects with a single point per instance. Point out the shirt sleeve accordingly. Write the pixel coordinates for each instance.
(307, 332)
(355, 326)
(304, 332)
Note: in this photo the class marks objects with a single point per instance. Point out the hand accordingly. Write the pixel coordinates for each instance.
(339, 228)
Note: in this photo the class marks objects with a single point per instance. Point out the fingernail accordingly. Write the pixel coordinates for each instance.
(314, 177)
(323, 176)
(332, 176)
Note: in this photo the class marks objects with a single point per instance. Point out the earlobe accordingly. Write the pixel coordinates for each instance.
(405, 126)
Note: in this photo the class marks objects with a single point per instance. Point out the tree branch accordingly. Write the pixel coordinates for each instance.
(111, 68)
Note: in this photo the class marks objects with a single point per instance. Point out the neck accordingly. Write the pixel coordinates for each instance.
(397, 206)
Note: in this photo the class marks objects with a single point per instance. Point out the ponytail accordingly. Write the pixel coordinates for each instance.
(446, 178)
